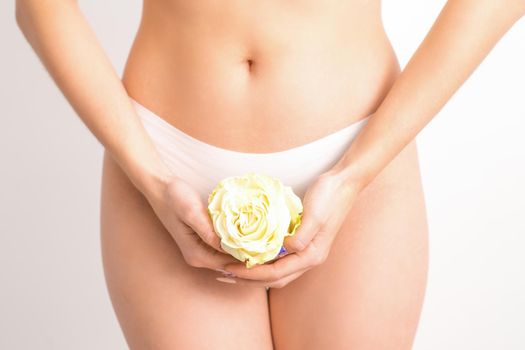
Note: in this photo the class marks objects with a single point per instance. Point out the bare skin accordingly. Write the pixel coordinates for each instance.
(367, 295)
(250, 70)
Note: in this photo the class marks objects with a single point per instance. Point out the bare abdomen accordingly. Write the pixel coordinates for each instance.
(260, 78)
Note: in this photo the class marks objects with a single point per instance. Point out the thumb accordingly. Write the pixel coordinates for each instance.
(306, 231)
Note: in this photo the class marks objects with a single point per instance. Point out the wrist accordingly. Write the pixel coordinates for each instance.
(153, 183)
(349, 177)
(144, 166)
(150, 178)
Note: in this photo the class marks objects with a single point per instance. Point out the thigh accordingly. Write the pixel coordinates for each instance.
(160, 301)
(369, 292)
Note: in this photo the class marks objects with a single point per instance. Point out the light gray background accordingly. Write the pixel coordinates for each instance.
(53, 295)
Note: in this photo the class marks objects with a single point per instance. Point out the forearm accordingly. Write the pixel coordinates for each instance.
(68, 48)
(462, 35)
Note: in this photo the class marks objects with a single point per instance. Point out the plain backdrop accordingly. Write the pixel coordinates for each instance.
(53, 294)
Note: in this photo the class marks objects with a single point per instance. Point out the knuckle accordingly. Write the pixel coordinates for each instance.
(317, 221)
(171, 190)
(193, 260)
(317, 255)
(297, 245)
(274, 274)
(190, 214)
(321, 259)
(317, 258)
(279, 284)
(211, 243)
(211, 238)
(205, 236)
(198, 263)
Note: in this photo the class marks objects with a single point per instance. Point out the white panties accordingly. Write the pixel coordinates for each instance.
(203, 165)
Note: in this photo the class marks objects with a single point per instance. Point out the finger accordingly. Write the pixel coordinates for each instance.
(262, 284)
(306, 230)
(270, 272)
(200, 222)
(217, 261)
(201, 254)
(315, 253)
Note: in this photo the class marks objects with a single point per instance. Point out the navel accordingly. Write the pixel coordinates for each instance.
(249, 64)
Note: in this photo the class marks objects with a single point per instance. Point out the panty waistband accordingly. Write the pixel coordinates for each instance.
(313, 148)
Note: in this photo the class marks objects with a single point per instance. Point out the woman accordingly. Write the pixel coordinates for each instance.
(310, 92)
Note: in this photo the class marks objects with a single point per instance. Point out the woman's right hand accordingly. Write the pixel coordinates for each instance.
(182, 212)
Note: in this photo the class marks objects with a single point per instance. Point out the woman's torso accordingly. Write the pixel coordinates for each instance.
(260, 76)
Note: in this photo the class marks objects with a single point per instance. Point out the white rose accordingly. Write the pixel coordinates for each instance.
(252, 214)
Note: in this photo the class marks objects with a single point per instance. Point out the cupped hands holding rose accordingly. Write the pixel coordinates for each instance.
(326, 204)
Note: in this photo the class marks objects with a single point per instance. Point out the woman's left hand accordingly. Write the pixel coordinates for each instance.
(326, 204)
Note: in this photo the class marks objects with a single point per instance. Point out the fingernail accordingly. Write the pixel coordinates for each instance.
(227, 280)
(226, 273)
